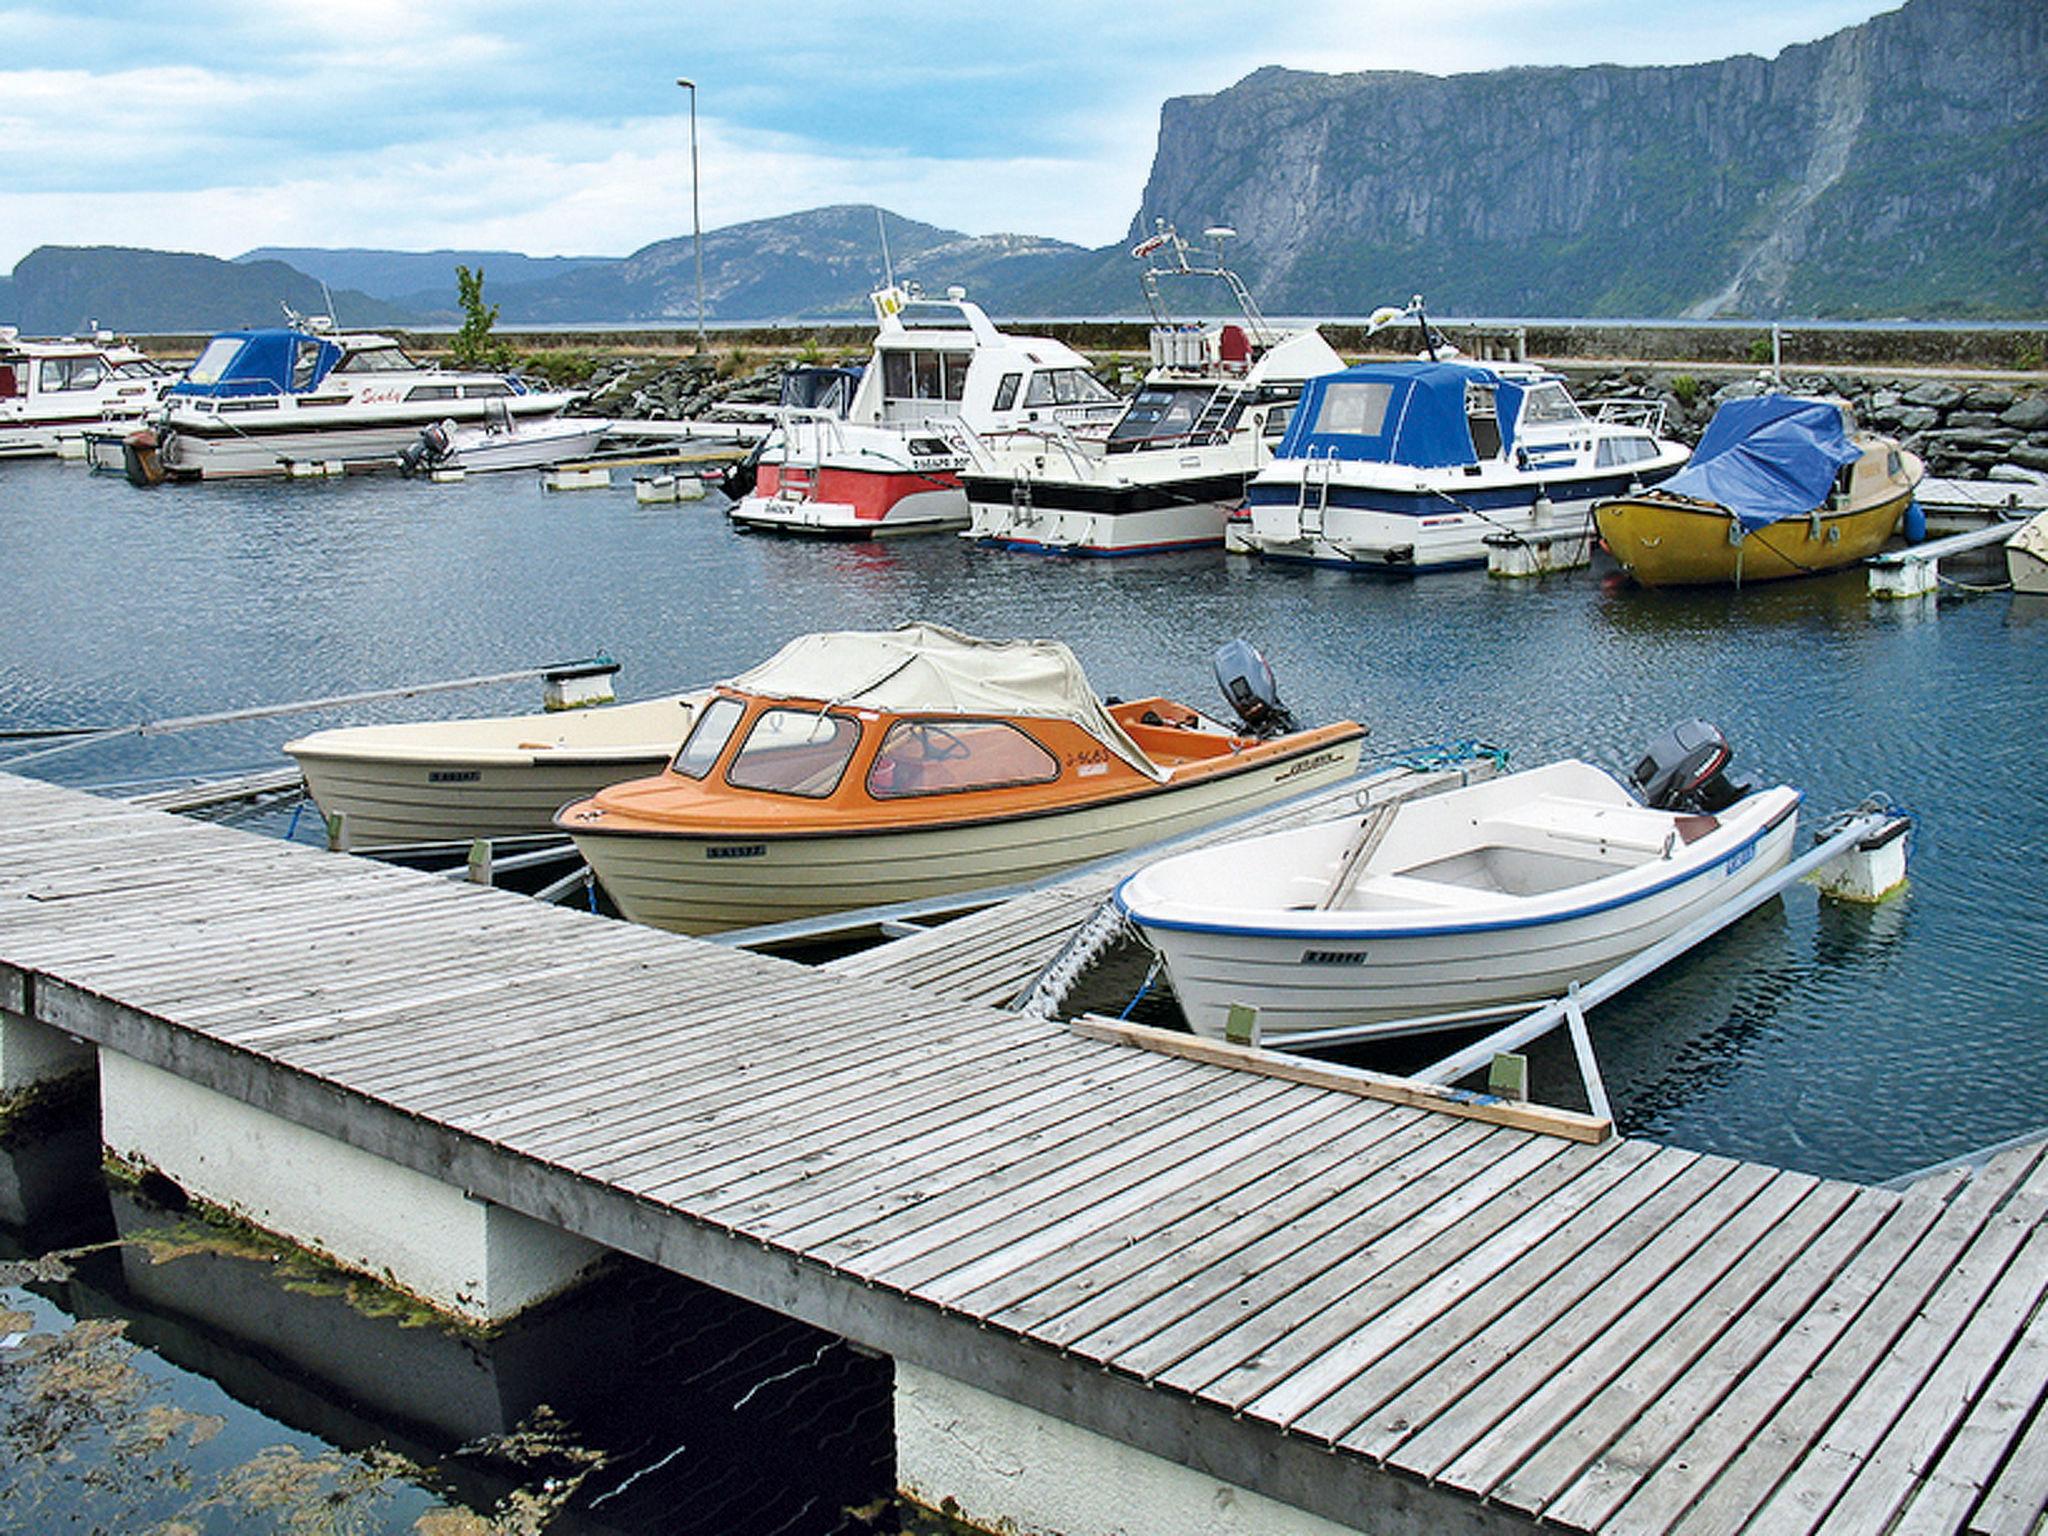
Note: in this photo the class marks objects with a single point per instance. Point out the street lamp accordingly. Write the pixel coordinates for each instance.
(696, 219)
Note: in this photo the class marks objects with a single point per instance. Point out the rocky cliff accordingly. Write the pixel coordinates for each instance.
(1899, 167)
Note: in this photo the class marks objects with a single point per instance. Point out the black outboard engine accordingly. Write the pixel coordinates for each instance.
(1683, 770)
(429, 449)
(1246, 680)
(736, 480)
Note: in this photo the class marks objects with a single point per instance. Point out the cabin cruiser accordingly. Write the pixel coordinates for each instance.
(1206, 419)
(1780, 485)
(1409, 466)
(1418, 913)
(859, 769)
(54, 392)
(258, 401)
(941, 374)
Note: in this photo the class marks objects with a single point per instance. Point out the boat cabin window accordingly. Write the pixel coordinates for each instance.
(213, 362)
(1548, 405)
(924, 375)
(1065, 386)
(60, 373)
(431, 392)
(1160, 412)
(139, 368)
(10, 382)
(1354, 410)
(932, 315)
(1006, 391)
(1277, 419)
(1623, 450)
(708, 737)
(305, 364)
(795, 752)
(1482, 420)
(940, 757)
(376, 360)
(497, 389)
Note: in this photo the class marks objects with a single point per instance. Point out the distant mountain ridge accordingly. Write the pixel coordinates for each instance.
(1895, 168)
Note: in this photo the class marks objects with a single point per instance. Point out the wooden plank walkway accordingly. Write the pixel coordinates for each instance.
(1404, 1321)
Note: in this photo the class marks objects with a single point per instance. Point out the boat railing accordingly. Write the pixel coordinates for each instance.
(1632, 411)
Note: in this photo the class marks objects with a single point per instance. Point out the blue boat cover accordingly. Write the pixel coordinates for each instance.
(1768, 458)
(267, 362)
(1397, 413)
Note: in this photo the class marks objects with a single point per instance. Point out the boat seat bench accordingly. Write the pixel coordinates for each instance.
(1627, 828)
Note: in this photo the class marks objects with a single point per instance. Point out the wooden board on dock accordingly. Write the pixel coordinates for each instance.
(1399, 1319)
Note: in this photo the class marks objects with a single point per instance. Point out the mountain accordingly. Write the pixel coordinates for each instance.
(61, 289)
(1896, 167)
(418, 279)
(822, 262)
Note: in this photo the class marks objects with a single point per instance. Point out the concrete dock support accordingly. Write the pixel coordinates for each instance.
(461, 1254)
(1002, 1467)
(33, 1054)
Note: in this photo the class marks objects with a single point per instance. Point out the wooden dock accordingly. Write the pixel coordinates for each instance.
(1393, 1318)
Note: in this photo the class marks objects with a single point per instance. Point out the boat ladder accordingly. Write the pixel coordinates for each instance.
(1208, 426)
(1314, 494)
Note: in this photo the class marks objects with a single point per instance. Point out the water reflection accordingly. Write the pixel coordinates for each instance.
(642, 1403)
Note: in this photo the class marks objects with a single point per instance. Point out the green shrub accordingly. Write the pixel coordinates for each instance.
(1760, 350)
(1686, 388)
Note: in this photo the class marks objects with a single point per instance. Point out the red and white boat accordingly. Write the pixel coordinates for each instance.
(54, 392)
(941, 374)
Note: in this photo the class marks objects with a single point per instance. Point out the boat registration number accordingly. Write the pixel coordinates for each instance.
(1740, 857)
(1333, 957)
(454, 776)
(736, 851)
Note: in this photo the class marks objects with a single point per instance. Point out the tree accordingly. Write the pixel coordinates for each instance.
(473, 347)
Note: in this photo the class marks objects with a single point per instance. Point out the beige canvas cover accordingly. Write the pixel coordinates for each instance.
(930, 669)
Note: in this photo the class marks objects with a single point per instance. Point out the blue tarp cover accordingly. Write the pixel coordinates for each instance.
(1768, 458)
(1411, 413)
(264, 364)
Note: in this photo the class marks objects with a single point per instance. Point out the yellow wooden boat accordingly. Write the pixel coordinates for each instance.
(1780, 486)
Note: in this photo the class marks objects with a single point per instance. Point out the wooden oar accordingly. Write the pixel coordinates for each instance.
(1371, 833)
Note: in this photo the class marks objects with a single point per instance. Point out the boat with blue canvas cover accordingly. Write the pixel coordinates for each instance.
(1780, 485)
(257, 401)
(1408, 466)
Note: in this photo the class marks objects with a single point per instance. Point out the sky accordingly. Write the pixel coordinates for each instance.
(558, 128)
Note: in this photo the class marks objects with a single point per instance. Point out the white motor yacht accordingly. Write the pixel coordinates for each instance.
(1409, 466)
(259, 401)
(941, 374)
(1206, 419)
(56, 391)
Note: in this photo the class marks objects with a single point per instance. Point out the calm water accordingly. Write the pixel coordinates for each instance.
(1845, 1042)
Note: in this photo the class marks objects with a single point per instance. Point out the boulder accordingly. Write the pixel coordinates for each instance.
(1914, 418)
(1989, 397)
(1940, 397)
(2030, 456)
(2028, 415)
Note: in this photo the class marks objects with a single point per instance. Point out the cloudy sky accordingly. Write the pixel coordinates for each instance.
(558, 129)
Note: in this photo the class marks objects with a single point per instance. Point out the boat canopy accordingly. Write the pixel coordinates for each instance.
(1399, 413)
(1768, 458)
(264, 362)
(930, 669)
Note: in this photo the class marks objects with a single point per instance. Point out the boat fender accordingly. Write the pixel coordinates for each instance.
(1916, 521)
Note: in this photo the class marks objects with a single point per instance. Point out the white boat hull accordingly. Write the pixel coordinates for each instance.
(208, 452)
(2026, 557)
(1417, 946)
(533, 445)
(694, 884)
(454, 780)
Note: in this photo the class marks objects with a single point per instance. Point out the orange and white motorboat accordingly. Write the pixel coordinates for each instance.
(859, 769)
(941, 375)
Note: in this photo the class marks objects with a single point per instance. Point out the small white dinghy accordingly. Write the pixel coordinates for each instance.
(1500, 893)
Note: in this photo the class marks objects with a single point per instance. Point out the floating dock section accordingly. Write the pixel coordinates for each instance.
(1122, 1289)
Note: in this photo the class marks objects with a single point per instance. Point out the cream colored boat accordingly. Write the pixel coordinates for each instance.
(2026, 557)
(443, 781)
(859, 769)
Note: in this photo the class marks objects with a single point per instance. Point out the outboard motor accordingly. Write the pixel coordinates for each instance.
(1246, 680)
(736, 480)
(429, 449)
(1683, 770)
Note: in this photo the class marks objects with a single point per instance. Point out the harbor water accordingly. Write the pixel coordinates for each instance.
(1860, 1043)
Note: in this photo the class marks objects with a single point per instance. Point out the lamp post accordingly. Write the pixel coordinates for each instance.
(696, 219)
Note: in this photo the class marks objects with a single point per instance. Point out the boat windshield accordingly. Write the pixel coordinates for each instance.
(936, 757)
(795, 752)
(1548, 404)
(213, 362)
(1161, 411)
(376, 360)
(1066, 386)
(707, 740)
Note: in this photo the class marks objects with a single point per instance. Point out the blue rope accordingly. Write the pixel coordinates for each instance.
(1150, 977)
